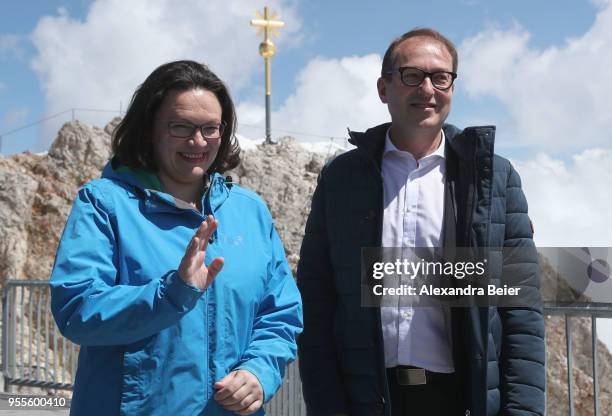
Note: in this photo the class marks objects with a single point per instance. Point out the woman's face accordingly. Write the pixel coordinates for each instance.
(184, 161)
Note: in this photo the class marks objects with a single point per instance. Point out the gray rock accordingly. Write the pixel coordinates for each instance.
(17, 193)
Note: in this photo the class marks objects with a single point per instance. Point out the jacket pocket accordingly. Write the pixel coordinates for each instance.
(139, 363)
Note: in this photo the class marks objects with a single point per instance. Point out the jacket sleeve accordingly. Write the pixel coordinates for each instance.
(322, 384)
(87, 304)
(276, 325)
(522, 351)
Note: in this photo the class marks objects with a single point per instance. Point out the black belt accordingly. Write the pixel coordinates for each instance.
(406, 375)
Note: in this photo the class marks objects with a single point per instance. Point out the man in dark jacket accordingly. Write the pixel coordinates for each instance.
(412, 183)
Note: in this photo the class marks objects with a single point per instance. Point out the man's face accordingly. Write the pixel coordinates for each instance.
(422, 107)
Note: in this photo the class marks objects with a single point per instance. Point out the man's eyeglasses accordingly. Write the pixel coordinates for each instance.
(413, 77)
(184, 130)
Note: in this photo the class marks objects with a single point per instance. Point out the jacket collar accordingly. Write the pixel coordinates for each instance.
(147, 185)
(465, 144)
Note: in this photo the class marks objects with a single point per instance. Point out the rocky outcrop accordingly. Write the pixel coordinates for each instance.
(556, 369)
(16, 201)
(36, 192)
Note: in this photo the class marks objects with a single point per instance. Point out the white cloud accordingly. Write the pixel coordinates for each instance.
(571, 206)
(99, 61)
(556, 97)
(569, 203)
(601, 3)
(330, 95)
(15, 116)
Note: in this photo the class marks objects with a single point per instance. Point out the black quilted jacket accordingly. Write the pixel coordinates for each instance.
(499, 352)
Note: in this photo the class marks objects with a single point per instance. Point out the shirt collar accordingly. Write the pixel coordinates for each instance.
(390, 147)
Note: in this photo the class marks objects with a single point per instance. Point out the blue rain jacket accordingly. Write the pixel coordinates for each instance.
(151, 344)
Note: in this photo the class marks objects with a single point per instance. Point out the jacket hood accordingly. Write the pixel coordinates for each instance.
(147, 184)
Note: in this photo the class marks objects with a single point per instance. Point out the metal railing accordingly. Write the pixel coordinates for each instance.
(593, 311)
(288, 401)
(253, 130)
(35, 354)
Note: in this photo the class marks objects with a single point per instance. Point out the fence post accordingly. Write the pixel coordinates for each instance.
(570, 364)
(595, 369)
(8, 333)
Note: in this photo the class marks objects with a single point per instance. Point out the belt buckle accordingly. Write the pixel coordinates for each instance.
(411, 376)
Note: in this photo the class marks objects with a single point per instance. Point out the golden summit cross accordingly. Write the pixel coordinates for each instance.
(269, 25)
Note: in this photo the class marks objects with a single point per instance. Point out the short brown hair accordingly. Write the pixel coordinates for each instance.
(390, 54)
(132, 138)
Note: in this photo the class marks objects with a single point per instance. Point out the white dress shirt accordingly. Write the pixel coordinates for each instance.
(413, 217)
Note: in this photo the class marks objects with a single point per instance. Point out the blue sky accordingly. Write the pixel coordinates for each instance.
(323, 29)
(537, 69)
(521, 68)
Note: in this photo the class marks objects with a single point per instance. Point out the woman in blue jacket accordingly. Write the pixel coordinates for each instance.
(173, 280)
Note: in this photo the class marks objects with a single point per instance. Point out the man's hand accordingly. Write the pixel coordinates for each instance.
(192, 269)
(240, 392)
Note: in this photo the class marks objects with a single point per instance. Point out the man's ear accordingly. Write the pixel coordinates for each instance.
(382, 90)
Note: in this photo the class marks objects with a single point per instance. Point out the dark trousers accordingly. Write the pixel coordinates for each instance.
(439, 397)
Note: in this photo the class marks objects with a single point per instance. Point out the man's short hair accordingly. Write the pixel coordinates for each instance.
(133, 136)
(390, 54)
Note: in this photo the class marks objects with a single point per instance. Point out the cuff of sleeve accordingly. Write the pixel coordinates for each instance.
(181, 295)
(267, 382)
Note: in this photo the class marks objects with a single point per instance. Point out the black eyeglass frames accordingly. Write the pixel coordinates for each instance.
(413, 77)
(185, 130)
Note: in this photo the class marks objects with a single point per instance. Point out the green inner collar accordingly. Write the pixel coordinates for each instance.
(148, 179)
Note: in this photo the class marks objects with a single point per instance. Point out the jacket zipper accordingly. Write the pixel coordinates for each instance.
(468, 230)
(381, 364)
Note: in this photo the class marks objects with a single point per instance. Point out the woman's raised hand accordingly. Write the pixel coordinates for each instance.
(192, 269)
